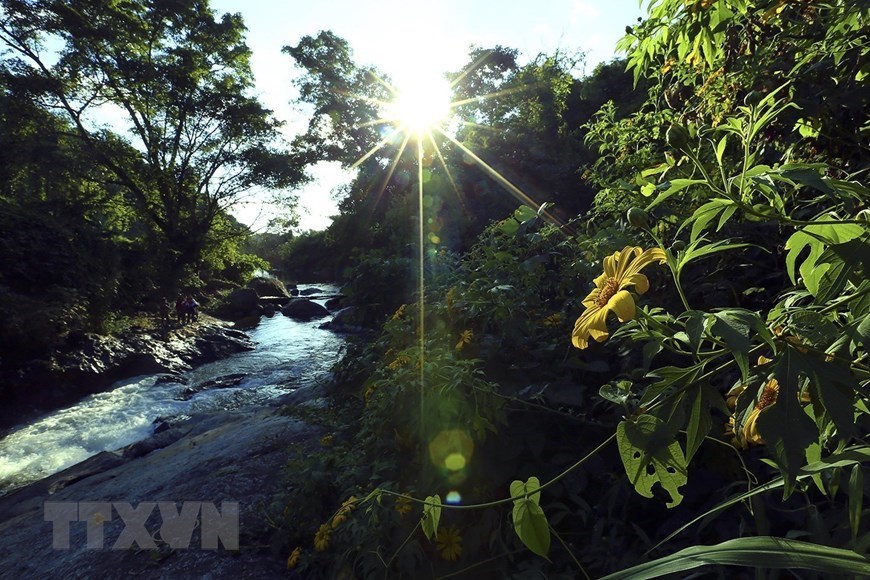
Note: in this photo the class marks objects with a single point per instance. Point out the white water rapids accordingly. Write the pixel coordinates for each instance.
(289, 354)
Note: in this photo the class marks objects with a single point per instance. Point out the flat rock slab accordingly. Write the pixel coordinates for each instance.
(225, 457)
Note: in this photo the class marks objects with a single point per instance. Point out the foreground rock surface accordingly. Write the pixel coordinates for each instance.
(94, 362)
(224, 457)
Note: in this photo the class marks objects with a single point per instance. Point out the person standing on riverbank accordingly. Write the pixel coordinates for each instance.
(191, 308)
(179, 309)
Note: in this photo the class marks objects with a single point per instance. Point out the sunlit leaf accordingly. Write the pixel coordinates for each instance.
(431, 515)
(528, 518)
(816, 237)
(672, 187)
(753, 552)
(651, 455)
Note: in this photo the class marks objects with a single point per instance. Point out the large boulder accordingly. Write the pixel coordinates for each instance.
(334, 304)
(268, 287)
(347, 320)
(304, 309)
(243, 300)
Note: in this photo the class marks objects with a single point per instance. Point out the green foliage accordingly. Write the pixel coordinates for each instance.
(740, 370)
(528, 518)
(756, 552)
(183, 81)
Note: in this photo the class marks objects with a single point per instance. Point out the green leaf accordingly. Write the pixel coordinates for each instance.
(814, 327)
(670, 377)
(816, 237)
(651, 455)
(733, 327)
(616, 392)
(704, 215)
(846, 261)
(700, 421)
(756, 552)
(431, 515)
(720, 148)
(856, 499)
(786, 429)
(528, 518)
(696, 323)
(845, 458)
(860, 306)
(853, 189)
(808, 175)
(694, 251)
(833, 387)
(671, 187)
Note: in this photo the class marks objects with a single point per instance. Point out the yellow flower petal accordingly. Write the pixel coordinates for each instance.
(639, 281)
(622, 304)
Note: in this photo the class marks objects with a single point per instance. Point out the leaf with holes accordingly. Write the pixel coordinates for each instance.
(651, 455)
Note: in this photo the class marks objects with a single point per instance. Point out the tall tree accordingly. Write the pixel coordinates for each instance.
(179, 81)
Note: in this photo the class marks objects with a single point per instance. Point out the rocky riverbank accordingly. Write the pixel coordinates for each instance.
(91, 363)
(221, 459)
(218, 459)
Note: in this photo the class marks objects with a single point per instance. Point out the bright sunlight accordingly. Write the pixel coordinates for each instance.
(420, 105)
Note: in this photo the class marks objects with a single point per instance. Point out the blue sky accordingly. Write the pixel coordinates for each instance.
(403, 38)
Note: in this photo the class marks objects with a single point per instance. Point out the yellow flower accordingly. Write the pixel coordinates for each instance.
(293, 559)
(321, 538)
(400, 361)
(464, 338)
(553, 320)
(449, 543)
(749, 434)
(621, 270)
(341, 515)
(403, 505)
(400, 312)
(451, 299)
(326, 440)
(338, 519)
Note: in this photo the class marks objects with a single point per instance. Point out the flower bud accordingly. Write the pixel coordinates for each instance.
(752, 98)
(637, 217)
(676, 136)
(678, 246)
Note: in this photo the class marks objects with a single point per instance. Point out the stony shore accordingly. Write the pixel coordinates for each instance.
(92, 363)
(217, 459)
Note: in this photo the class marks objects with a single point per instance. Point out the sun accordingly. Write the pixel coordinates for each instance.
(420, 105)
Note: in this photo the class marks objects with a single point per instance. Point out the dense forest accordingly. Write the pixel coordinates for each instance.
(710, 191)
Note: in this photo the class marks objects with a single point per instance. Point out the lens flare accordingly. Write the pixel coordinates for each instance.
(451, 449)
(455, 462)
(453, 498)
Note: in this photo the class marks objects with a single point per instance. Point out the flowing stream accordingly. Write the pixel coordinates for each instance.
(289, 354)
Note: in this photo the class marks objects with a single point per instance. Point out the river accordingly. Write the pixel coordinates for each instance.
(288, 355)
